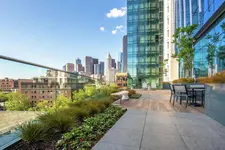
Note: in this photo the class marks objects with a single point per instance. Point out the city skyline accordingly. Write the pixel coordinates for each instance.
(53, 34)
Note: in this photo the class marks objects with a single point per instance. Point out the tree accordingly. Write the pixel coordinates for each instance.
(79, 95)
(183, 38)
(221, 49)
(43, 106)
(90, 90)
(62, 101)
(3, 97)
(17, 101)
(212, 49)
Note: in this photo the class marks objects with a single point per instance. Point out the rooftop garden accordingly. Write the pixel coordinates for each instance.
(76, 123)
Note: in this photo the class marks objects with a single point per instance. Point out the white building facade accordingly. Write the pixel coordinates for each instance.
(171, 65)
(109, 71)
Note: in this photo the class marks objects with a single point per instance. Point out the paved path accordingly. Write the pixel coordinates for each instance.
(143, 129)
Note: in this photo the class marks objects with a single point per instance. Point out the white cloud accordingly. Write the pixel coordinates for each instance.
(114, 32)
(102, 28)
(115, 13)
(119, 27)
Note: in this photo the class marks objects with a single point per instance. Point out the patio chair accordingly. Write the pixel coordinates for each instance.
(199, 91)
(172, 95)
(182, 91)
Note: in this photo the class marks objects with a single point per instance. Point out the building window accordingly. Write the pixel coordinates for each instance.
(168, 45)
(168, 33)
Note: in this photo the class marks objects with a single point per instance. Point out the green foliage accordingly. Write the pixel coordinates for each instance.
(85, 136)
(17, 101)
(3, 97)
(57, 122)
(62, 101)
(79, 95)
(90, 90)
(93, 109)
(43, 106)
(135, 96)
(32, 132)
(183, 38)
(212, 49)
(108, 90)
(80, 114)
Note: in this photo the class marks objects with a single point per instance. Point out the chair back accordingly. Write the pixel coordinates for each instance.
(180, 88)
(171, 88)
(200, 86)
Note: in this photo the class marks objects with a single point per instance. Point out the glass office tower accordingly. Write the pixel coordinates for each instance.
(209, 15)
(145, 42)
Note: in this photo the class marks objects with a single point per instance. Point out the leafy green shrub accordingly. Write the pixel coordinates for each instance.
(85, 136)
(32, 132)
(17, 101)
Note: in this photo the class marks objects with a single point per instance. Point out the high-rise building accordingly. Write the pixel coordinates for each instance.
(95, 61)
(97, 69)
(113, 63)
(120, 62)
(209, 15)
(80, 68)
(171, 65)
(102, 68)
(124, 66)
(69, 67)
(78, 65)
(119, 66)
(78, 61)
(145, 43)
(110, 71)
(89, 69)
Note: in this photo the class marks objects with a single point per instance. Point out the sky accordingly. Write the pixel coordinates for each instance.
(54, 32)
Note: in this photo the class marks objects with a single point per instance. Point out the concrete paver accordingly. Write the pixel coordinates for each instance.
(145, 128)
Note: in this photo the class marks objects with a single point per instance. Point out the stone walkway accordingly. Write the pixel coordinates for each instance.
(144, 129)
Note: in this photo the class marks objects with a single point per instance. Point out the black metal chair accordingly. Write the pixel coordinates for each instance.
(172, 95)
(198, 91)
(181, 91)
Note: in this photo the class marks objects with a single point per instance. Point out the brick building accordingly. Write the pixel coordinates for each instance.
(6, 85)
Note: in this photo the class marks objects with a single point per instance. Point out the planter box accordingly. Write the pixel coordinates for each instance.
(166, 86)
(215, 102)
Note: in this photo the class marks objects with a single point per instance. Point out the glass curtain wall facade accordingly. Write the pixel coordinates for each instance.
(145, 42)
(200, 12)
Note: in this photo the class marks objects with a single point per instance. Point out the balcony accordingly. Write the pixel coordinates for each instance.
(150, 122)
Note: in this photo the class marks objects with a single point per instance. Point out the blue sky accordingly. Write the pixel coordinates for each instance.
(54, 32)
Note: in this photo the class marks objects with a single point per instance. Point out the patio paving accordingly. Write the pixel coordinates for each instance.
(140, 128)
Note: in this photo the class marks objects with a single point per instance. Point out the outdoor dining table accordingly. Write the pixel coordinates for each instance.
(194, 91)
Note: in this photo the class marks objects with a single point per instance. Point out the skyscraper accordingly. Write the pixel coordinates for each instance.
(89, 69)
(69, 67)
(124, 66)
(78, 61)
(110, 72)
(209, 15)
(78, 65)
(113, 63)
(102, 68)
(97, 69)
(171, 67)
(145, 42)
